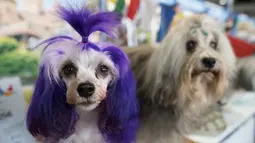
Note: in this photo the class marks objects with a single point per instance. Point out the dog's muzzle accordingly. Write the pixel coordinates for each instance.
(86, 89)
(206, 65)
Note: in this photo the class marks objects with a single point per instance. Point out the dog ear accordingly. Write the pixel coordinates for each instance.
(119, 119)
(224, 47)
(48, 114)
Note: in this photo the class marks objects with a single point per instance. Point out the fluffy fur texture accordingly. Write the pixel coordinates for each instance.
(246, 73)
(175, 82)
(84, 92)
(244, 79)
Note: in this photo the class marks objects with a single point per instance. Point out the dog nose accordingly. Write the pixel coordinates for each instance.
(86, 89)
(209, 62)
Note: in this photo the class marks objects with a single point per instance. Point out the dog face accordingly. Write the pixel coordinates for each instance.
(204, 69)
(199, 59)
(85, 72)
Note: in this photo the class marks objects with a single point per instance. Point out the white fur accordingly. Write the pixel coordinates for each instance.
(86, 129)
(87, 63)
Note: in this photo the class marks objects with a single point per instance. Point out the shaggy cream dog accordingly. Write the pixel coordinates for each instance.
(181, 79)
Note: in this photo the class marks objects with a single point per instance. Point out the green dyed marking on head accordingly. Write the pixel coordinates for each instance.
(193, 31)
(204, 32)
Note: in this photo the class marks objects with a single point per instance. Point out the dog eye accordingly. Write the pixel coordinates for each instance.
(69, 69)
(191, 45)
(104, 69)
(213, 44)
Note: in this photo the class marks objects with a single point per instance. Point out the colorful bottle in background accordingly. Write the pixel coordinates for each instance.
(7, 92)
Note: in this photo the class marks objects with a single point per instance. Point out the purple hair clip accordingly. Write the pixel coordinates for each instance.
(52, 116)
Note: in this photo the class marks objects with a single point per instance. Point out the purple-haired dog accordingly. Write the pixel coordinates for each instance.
(84, 92)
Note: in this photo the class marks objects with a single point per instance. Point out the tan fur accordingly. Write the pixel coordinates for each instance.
(102, 93)
(71, 93)
(172, 88)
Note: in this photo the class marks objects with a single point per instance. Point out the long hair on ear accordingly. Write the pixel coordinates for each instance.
(119, 118)
(49, 115)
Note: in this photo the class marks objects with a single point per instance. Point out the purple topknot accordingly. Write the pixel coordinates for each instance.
(86, 22)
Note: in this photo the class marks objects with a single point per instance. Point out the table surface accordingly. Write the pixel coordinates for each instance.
(241, 108)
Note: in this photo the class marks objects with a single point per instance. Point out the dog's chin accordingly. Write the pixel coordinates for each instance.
(201, 85)
(206, 80)
(88, 106)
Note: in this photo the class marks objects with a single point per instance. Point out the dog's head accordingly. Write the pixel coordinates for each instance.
(83, 75)
(199, 58)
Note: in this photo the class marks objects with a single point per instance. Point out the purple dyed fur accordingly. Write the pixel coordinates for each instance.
(90, 22)
(86, 22)
(50, 116)
(119, 121)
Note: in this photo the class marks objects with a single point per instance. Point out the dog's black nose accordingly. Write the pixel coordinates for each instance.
(209, 62)
(86, 89)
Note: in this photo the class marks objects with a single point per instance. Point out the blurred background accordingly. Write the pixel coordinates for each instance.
(25, 23)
